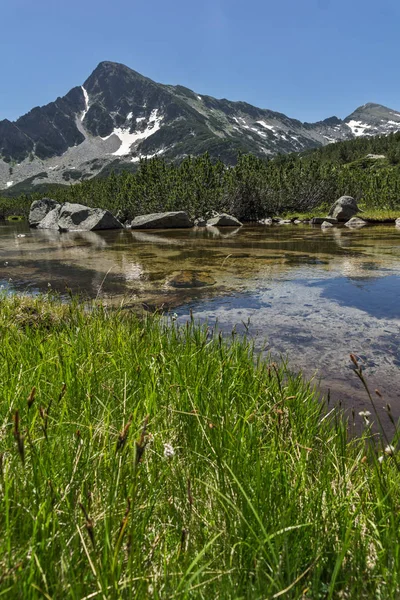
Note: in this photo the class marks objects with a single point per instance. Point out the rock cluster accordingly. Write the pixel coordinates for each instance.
(48, 214)
(179, 220)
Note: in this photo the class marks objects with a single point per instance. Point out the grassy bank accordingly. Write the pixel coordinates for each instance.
(139, 459)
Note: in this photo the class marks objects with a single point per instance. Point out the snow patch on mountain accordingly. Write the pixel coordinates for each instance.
(148, 156)
(127, 138)
(357, 128)
(86, 97)
(270, 127)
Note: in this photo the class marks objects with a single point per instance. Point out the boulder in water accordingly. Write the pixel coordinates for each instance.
(50, 221)
(167, 220)
(39, 209)
(76, 217)
(355, 223)
(224, 220)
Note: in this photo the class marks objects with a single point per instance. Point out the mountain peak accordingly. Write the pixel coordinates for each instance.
(119, 116)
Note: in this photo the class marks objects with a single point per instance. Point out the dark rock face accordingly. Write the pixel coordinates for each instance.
(224, 220)
(344, 208)
(39, 209)
(47, 131)
(168, 220)
(76, 217)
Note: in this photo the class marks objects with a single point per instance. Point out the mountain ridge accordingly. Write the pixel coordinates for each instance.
(120, 116)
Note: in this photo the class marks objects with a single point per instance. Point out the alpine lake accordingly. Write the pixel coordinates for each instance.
(309, 295)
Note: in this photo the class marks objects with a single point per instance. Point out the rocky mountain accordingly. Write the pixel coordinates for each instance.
(119, 116)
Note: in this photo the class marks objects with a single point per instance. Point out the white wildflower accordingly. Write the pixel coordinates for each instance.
(381, 459)
(365, 414)
(169, 451)
(389, 450)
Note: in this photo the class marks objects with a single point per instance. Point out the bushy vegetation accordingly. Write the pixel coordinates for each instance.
(140, 459)
(254, 188)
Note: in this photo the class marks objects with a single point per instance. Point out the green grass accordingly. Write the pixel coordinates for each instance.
(262, 494)
(379, 215)
(373, 215)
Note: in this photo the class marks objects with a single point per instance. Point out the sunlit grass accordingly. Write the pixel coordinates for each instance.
(379, 214)
(140, 459)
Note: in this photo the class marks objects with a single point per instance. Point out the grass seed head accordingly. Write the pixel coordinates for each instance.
(31, 397)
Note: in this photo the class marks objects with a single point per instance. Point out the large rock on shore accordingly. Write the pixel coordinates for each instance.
(76, 217)
(167, 220)
(39, 209)
(344, 209)
(397, 222)
(224, 220)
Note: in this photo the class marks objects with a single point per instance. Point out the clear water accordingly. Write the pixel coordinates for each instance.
(311, 295)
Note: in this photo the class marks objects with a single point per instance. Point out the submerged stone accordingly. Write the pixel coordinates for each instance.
(191, 279)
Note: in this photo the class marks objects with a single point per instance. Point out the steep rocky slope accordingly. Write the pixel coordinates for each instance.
(119, 116)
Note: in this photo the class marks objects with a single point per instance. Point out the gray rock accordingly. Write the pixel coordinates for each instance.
(224, 220)
(266, 222)
(355, 223)
(397, 222)
(320, 220)
(326, 225)
(344, 208)
(39, 209)
(50, 221)
(167, 220)
(297, 222)
(285, 222)
(200, 222)
(76, 217)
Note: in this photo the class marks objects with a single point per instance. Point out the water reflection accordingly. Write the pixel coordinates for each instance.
(313, 294)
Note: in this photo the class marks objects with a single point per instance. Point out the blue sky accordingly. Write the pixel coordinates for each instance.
(309, 59)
